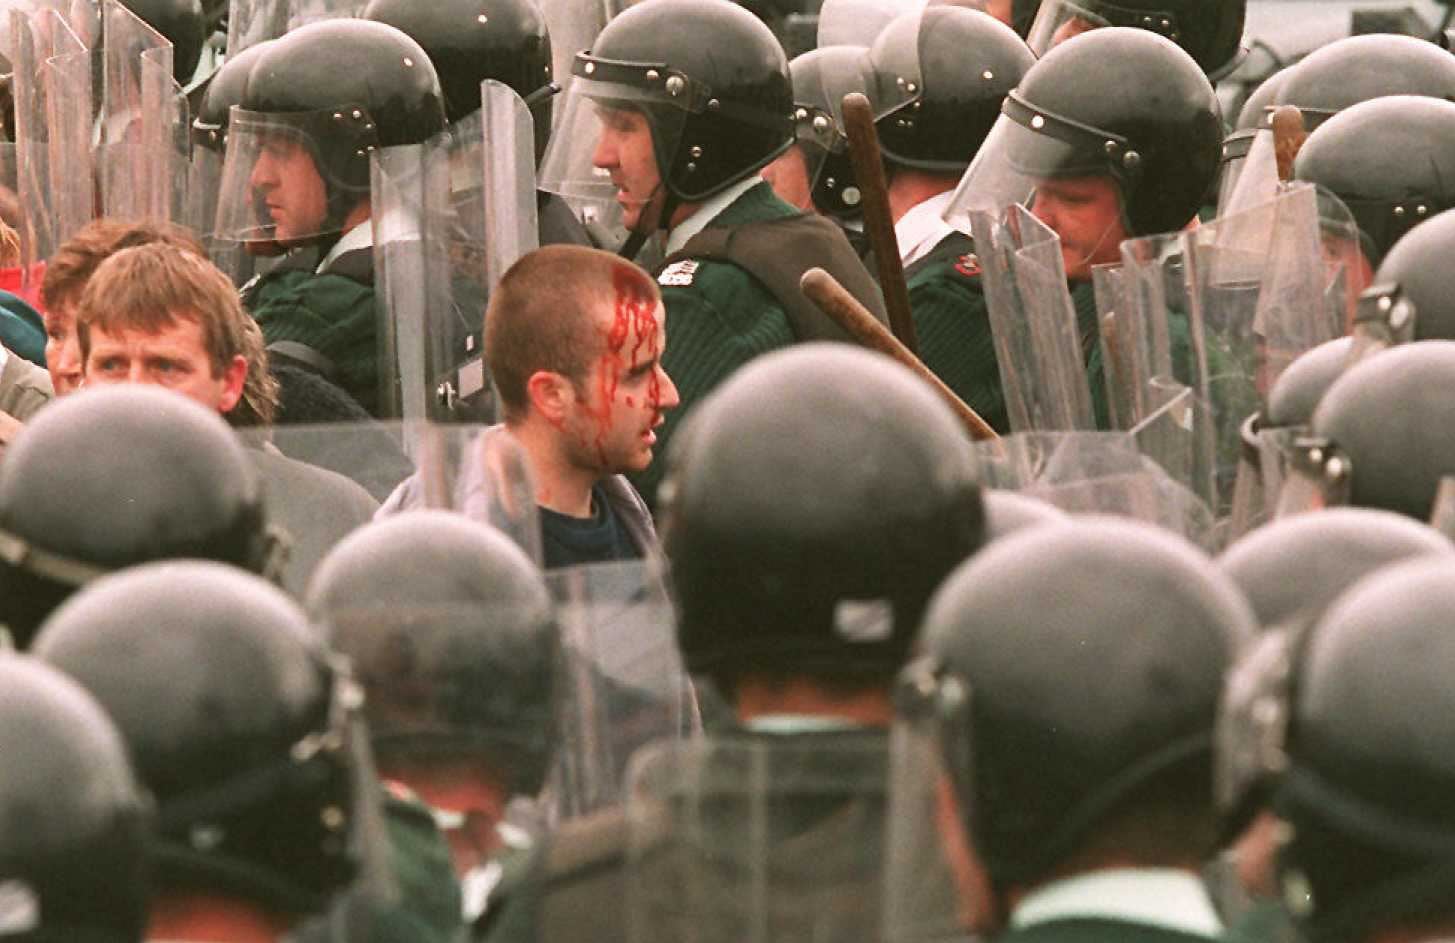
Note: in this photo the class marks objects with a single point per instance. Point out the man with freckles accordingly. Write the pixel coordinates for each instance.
(574, 339)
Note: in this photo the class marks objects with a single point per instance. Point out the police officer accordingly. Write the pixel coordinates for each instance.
(77, 823)
(1359, 68)
(114, 478)
(470, 41)
(242, 729)
(1364, 855)
(1211, 31)
(927, 140)
(1409, 298)
(450, 632)
(680, 103)
(297, 173)
(1064, 702)
(1291, 571)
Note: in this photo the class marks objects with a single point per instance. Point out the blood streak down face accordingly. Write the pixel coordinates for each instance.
(626, 391)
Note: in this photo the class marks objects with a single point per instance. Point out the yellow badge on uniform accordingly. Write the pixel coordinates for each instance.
(678, 274)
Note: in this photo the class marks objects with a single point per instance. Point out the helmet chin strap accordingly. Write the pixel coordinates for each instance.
(643, 228)
(1088, 256)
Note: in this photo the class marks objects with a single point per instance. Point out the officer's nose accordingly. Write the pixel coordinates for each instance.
(605, 155)
(264, 174)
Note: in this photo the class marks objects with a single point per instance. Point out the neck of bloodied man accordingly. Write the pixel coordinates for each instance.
(562, 485)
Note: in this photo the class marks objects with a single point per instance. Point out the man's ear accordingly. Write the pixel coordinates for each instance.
(235, 378)
(550, 394)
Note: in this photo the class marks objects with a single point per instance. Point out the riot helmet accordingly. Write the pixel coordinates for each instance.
(237, 721)
(449, 629)
(1038, 767)
(1367, 749)
(1291, 571)
(184, 26)
(1211, 31)
(303, 117)
(1358, 68)
(821, 79)
(1388, 160)
(711, 84)
(1254, 113)
(1410, 297)
(1379, 435)
(1123, 104)
(173, 481)
(964, 62)
(470, 41)
(875, 498)
(224, 90)
(74, 821)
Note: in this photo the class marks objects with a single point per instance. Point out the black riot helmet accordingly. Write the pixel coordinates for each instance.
(1297, 391)
(1368, 756)
(236, 721)
(299, 95)
(113, 477)
(1146, 626)
(1389, 160)
(875, 497)
(1291, 571)
(1358, 68)
(182, 23)
(73, 818)
(449, 629)
(965, 62)
(224, 90)
(1120, 103)
(1254, 113)
(821, 79)
(1210, 30)
(470, 41)
(711, 80)
(1379, 436)
(1412, 296)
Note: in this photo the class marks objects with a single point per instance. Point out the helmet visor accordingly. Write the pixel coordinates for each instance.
(293, 177)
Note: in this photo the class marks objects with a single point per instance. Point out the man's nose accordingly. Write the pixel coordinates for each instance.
(669, 398)
(605, 154)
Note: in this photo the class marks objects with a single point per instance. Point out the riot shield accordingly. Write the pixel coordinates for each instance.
(1249, 175)
(574, 26)
(52, 89)
(1256, 291)
(429, 264)
(624, 684)
(508, 156)
(144, 138)
(1038, 343)
(251, 21)
(752, 839)
(468, 469)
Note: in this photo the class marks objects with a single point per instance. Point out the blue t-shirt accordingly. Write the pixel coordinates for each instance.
(600, 538)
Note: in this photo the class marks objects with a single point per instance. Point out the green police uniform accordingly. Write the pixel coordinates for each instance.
(429, 905)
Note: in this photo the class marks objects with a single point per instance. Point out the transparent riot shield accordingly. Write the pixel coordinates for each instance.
(481, 473)
(1038, 343)
(624, 684)
(429, 263)
(927, 896)
(757, 839)
(251, 21)
(574, 26)
(1256, 291)
(507, 154)
(144, 136)
(52, 89)
(1249, 170)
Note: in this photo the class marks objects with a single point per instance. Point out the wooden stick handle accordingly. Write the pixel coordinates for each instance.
(1288, 137)
(835, 301)
(878, 221)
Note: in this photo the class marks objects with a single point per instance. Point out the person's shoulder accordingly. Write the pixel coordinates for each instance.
(728, 290)
(952, 260)
(319, 486)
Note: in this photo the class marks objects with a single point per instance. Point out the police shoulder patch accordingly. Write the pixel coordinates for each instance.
(968, 265)
(678, 274)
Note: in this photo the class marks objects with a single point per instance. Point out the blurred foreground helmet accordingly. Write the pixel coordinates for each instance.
(1147, 626)
(236, 721)
(1370, 758)
(1118, 103)
(449, 629)
(964, 63)
(73, 819)
(1412, 296)
(113, 477)
(1359, 68)
(1211, 31)
(874, 497)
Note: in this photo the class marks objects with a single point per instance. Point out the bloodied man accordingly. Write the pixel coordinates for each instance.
(574, 339)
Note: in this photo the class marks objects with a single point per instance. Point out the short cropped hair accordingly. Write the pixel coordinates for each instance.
(73, 264)
(541, 317)
(149, 287)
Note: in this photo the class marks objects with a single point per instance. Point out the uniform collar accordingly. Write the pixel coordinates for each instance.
(360, 237)
(707, 212)
(1158, 897)
(923, 228)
